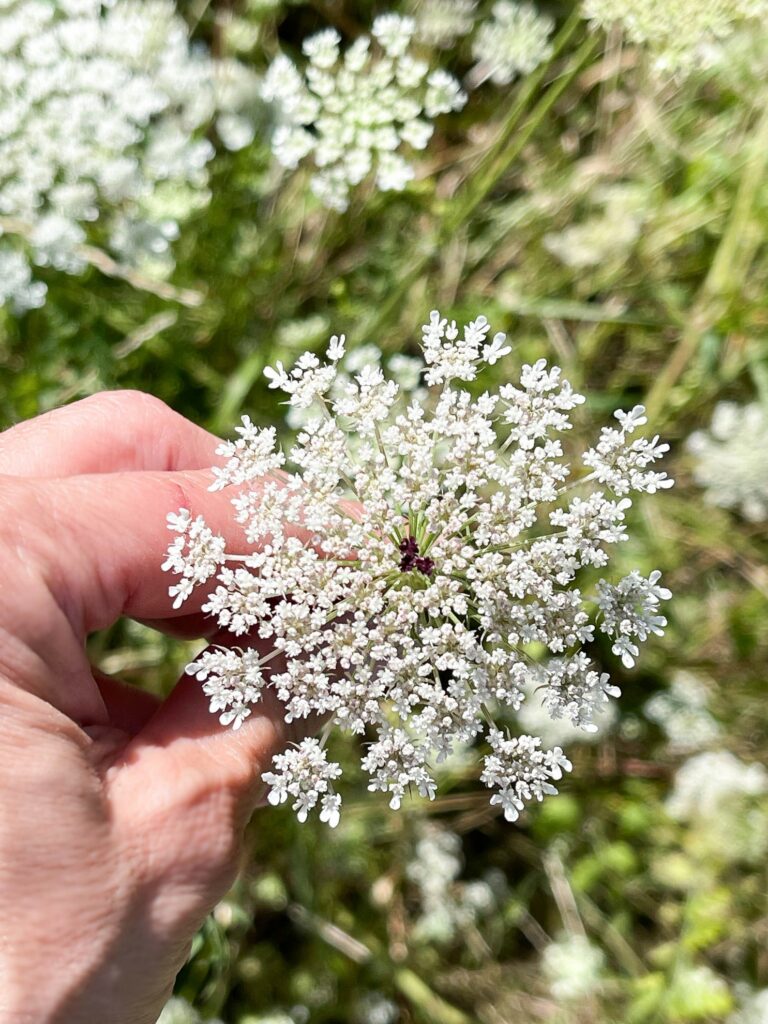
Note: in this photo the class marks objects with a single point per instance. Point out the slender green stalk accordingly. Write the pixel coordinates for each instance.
(494, 164)
(728, 269)
(428, 1006)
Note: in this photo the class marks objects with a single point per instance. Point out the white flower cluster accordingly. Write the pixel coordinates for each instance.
(101, 109)
(683, 714)
(512, 42)
(353, 113)
(731, 459)
(442, 22)
(179, 1011)
(573, 967)
(448, 905)
(682, 35)
(631, 612)
(753, 1008)
(420, 565)
(707, 784)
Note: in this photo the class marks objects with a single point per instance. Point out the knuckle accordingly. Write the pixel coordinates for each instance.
(128, 402)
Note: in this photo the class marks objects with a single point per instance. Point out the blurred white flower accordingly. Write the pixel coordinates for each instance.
(102, 106)
(573, 967)
(512, 42)
(352, 114)
(607, 236)
(731, 459)
(448, 905)
(682, 713)
(707, 785)
(375, 1008)
(442, 22)
(753, 1008)
(682, 35)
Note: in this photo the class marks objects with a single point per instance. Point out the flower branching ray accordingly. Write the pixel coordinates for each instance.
(419, 620)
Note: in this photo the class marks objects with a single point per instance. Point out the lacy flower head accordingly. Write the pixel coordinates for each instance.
(512, 42)
(103, 108)
(731, 459)
(353, 114)
(442, 22)
(681, 35)
(414, 561)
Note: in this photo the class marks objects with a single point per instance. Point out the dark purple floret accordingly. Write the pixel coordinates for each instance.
(411, 559)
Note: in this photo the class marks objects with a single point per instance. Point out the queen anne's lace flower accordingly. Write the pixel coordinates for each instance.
(305, 775)
(514, 41)
(708, 783)
(352, 114)
(731, 459)
(442, 22)
(681, 34)
(631, 612)
(573, 967)
(102, 111)
(421, 566)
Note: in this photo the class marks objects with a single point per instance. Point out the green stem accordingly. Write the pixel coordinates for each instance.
(727, 271)
(493, 165)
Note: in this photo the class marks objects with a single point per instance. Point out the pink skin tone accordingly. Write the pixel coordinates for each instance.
(121, 817)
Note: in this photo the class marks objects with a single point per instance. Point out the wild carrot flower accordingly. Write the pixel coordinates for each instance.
(512, 42)
(419, 616)
(731, 459)
(681, 35)
(352, 114)
(103, 108)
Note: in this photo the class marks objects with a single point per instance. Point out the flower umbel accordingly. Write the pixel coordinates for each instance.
(104, 109)
(423, 562)
(353, 113)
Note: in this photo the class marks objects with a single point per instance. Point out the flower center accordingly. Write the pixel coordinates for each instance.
(412, 560)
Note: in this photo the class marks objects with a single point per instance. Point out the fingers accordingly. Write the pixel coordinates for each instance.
(196, 758)
(109, 432)
(128, 708)
(100, 541)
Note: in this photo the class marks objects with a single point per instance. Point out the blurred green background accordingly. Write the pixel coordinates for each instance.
(612, 220)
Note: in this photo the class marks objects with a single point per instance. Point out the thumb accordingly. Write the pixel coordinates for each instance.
(183, 753)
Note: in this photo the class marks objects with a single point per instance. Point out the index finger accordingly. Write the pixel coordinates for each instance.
(100, 541)
(106, 433)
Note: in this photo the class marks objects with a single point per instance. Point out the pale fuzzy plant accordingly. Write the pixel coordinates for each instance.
(708, 783)
(683, 714)
(730, 459)
(103, 111)
(448, 905)
(421, 610)
(442, 22)
(360, 114)
(682, 36)
(721, 801)
(573, 967)
(753, 1007)
(179, 1011)
(514, 41)
(606, 237)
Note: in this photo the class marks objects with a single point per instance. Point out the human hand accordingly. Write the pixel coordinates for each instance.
(120, 817)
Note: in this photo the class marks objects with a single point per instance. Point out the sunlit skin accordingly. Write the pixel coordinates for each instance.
(121, 817)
